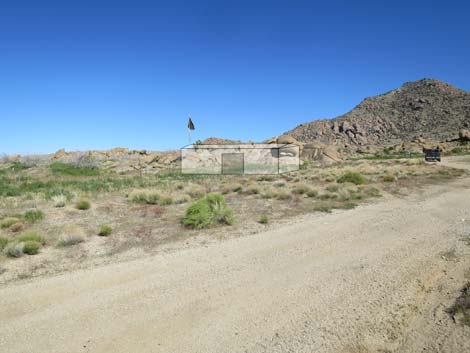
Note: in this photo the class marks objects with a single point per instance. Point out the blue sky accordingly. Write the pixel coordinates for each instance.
(99, 74)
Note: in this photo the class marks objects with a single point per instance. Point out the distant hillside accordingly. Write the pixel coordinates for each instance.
(427, 108)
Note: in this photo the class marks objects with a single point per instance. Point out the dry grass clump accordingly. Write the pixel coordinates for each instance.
(70, 240)
(17, 227)
(8, 222)
(59, 200)
(388, 178)
(150, 197)
(268, 194)
(312, 193)
(72, 235)
(83, 205)
(300, 189)
(283, 195)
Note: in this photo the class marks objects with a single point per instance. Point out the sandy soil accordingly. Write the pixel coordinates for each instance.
(374, 279)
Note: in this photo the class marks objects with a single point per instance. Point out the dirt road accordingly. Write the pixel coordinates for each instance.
(377, 278)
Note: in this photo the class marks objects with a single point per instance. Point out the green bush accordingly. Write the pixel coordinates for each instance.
(264, 219)
(207, 211)
(32, 237)
(105, 230)
(3, 243)
(352, 177)
(31, 247)
(59, 168)
(83, 205)
(34, 216)
(388, 178)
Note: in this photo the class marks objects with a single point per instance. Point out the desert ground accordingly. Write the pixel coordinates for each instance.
(312, 262)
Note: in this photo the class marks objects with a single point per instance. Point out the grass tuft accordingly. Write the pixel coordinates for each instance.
(83, 205)
(207, 211)
(352, 177)
(105, 230)
(34, 216)
(31, 247)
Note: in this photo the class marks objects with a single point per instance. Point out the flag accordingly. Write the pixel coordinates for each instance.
(190, 124)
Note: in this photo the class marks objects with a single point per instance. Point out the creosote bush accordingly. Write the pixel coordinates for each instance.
(105, 230)
(352, 177)
(83, 205)
(207, 211)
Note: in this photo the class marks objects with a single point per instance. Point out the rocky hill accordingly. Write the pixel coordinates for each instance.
(427, 109)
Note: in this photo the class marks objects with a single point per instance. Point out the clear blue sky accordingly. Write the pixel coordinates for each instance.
(100, 74)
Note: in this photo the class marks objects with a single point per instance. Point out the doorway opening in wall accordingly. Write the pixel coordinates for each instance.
(233, 163)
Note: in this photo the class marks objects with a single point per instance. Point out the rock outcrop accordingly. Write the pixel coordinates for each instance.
(428, 109)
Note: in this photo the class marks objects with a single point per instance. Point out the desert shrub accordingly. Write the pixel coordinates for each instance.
(83, 205)
(461, 307)
(268, 194)
(328, 196)
(207, 211)
(182, 199)
(31, 247)
(279, 184)
(165, 200)
(105, 230)
(196, 192)
(265, 178)
(388, 178)
(17, 227)
(8, 222)
(18, 166)
(264, 219)
(345, 205)
(322, 208)
(312, 193)
(70, 240)
(332, 188)
(3, 243)
(237, 188)
(282, 195)
(253, 190)
(59, 168)
(372, 192)
(59, 200)
(34, 216)
(14, 249)
(352, 177)
(32, 237)
(300, 189)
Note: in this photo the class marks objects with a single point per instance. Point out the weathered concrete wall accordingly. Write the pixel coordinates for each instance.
(258, 159)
